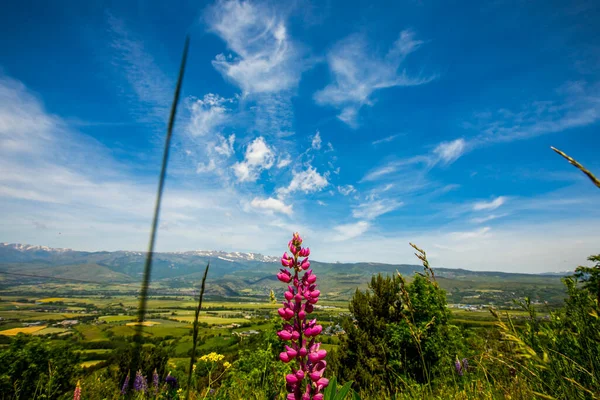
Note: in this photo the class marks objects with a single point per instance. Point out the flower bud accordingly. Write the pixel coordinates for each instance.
(284, 335)
(291, 378)
(322, 383)
(283, 356)
(305, 264)
(302, 352)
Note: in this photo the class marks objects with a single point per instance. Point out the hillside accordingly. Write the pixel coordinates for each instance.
(249, 274)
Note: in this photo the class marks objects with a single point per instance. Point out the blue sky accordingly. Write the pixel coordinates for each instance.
(362, 127)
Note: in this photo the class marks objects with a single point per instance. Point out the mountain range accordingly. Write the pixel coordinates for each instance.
(233, 274)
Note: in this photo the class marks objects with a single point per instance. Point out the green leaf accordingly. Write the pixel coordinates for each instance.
(329, 393)
(355, 396)
(341, 395)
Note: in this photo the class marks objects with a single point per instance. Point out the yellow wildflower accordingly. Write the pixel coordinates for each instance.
(226, 364)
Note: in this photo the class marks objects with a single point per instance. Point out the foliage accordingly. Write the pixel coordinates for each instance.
(399, 332)
(35, 368)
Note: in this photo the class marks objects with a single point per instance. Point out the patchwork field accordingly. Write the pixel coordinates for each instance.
(26, 330)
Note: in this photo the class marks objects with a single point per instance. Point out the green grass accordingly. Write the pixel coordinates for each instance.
(50, 331)
(117, 318)
(91, 332)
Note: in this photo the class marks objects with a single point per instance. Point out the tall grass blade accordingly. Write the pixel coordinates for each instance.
(195, 333)
(578, 166)
(161, 183)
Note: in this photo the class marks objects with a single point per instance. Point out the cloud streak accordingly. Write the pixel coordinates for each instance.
(358, 72)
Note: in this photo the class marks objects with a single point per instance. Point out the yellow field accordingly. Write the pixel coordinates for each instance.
(51, 299)
(145, 323)
(87, 364)
(28, 330)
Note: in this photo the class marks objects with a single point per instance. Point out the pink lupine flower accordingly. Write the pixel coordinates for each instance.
(284, 276)
(77, 393)
(306, 381)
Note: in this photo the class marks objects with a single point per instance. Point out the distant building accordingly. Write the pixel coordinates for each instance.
(68, 322)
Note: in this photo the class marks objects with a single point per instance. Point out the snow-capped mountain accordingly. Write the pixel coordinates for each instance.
(8, 251)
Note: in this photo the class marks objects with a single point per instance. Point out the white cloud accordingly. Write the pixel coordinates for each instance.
(357, 73)
(346, 189)
(316, 141)
(349, 231)
(284, 161)
(207, 114)
(448, 152)
(489, 205)
(321, 203)
(374, 208)
(307, 181)
(272, 204)
(259, 157)
(266, 59)
(225, 147)
(386, 139)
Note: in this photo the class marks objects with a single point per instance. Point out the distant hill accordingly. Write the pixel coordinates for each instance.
(236, 274)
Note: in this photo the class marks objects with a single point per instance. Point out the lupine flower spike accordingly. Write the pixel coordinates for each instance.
(155, 381)
(125, 385)
(140, 384)
(306, 381)
(77, 393)
(461, 366)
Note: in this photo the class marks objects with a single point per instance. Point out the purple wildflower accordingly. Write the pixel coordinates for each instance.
(155, 380)
(125, 385)
(461, 366)
(171, 381)
(458, 367)
(140, 384)
(306, 380)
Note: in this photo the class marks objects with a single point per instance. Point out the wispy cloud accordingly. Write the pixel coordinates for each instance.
(577, 104)
(448, 152)
(489, 205)
(346, 189)
(386, 139)
(265, 59)
(375, 208)
(358, 72)
(316, 141)
(151, 90)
